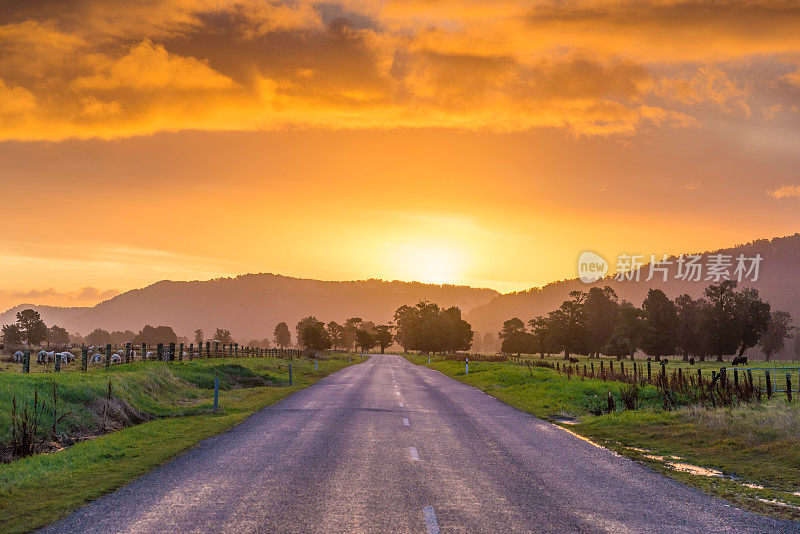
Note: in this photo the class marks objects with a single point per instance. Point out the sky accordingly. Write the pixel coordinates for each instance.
(447, 141)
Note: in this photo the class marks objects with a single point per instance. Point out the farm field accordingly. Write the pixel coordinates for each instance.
(171, 402)
(747, 454)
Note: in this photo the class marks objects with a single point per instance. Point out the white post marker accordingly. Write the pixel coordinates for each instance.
(405, 421)
(402, 405)
(467, 367)
(414, 453)
(431, 524)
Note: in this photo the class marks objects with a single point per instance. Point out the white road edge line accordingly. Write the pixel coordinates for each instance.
(431, 524)
(405, 421)
(414, 453)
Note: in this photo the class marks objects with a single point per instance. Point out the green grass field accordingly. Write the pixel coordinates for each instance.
(37, 490)
(752, 453)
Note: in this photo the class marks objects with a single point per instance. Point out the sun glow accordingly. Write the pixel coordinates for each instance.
(436, 264)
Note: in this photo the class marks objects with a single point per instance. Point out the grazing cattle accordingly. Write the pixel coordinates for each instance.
(116, 358)
(149, 355)
(97, 358)
(740, 360)
(18, 356)
(573, 360)
(41, 357)
(691, 361)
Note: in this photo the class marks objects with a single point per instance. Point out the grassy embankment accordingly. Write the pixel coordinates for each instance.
(751, 454)
(175, 398)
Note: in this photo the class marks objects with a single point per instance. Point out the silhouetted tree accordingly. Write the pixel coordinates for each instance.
(311, 334)
(57, 335)
(223, 336)
(336, 333)
(689, 332)
(33, 329)
(778, 331)
(719, 319)
(12, 335)
(383, 336)
(198, 337)
(99, 337)
(629, 331)
(601, 307)
(365, 336)
(661, 318)
(428, 328)
(282, 337)
(155, 335)
(752, 318)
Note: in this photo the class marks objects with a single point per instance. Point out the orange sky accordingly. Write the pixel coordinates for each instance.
(447, 141)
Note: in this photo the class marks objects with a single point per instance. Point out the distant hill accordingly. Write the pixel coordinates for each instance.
(251, 305)
(778, 283)
(51, 315)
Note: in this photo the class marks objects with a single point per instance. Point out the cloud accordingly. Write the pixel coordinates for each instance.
(692, 186)
(707, 85)
(119, 68)
(787, 191)
(149, 66)
(50, 295)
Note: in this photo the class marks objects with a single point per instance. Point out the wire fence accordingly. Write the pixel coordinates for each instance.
(82, 358)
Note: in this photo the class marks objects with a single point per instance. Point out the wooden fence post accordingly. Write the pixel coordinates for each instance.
(57, 363)
(128, 352)
(769, 385)
(180, 354)
(26, 361)
(649, 376)
(664, 369)
(172, 351)
(735, 377)
(611, 367)
(788, 388)
(160, 352)
(208, 349)
(84, 358)
(750, 377)
(108, 356)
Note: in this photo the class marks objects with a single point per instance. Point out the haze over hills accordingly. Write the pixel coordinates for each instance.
(51, 315)
(251, 305)
(778, 283)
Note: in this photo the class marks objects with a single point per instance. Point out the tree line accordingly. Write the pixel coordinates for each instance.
(724, 322)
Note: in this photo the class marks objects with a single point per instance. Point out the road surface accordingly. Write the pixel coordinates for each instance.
(387, 446)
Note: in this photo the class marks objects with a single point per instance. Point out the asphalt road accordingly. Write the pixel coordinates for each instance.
(387, 446)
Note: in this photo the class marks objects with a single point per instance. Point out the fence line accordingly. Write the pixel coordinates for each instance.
(166, 352)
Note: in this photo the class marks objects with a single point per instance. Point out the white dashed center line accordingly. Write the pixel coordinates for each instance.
(405, 421)
(431, 524)
(414, 453)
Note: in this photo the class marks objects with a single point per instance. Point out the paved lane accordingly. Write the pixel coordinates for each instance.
(387, 446)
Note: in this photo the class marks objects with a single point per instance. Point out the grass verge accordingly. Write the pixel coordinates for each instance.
(749, 455)
(40, 489)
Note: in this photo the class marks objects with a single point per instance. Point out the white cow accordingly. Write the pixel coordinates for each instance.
(18, 356)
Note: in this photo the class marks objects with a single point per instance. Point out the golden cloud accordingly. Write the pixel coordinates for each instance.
(119, 68)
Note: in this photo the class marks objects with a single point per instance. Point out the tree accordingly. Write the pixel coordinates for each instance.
(282, 337)
(57, 335)
(601, 307)
(689, 332)
(155, 335)
(629, 331)
(511, 327)
(311, 334)
(518, 342)
(427, 328)
(98, 337)
(778, 331)
(12, 335)
(719, 322)
(383, 336)
(661, 318)
(752, 318)
(540, 332)
(489, 342)
(568, 325)
(223, 336)
(365, 336)
(336, 333)
(118, 337)
(33, 329)
(350, 328)
(198, 337)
